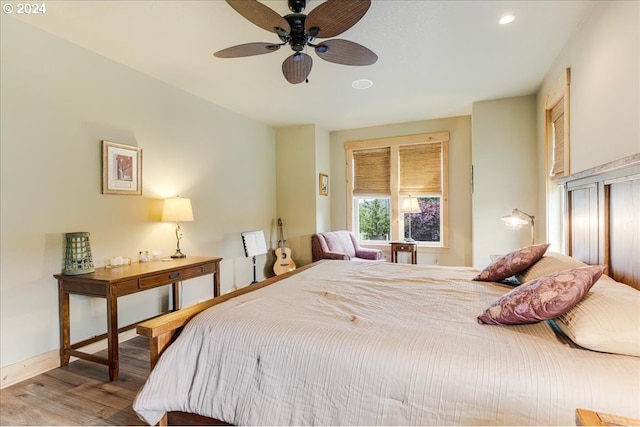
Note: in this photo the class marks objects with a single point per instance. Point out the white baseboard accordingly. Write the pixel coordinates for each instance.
(13, 374)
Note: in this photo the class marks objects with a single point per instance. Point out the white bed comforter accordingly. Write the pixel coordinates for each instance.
(356, 343)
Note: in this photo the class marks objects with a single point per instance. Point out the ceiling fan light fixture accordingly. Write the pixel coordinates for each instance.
(362, 84)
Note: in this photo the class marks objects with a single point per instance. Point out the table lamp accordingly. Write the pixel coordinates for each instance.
(410, 205)
(177, 210)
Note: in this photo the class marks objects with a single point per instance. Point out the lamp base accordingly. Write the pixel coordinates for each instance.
(409, 240)
(178, 254)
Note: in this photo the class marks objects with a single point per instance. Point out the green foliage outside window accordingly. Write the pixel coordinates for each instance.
(374, 219)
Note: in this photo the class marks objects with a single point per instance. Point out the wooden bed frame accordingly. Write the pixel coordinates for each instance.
(602, 207)
(602, 217)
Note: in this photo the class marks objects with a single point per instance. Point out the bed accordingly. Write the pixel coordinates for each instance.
(354, 343)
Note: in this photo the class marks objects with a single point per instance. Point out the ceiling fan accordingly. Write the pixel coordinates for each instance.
(298, 30)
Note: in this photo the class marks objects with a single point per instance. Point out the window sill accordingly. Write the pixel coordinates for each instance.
(422, 247)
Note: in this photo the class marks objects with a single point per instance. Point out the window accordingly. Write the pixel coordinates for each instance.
(382, 173)
(557, 122)
(557, 114)
(556, 139)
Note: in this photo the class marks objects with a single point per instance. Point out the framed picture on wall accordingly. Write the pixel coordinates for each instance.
(324, 184)
(121, 169)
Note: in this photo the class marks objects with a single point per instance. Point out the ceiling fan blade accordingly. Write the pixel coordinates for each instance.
(247, 49)
(261, 15)
(334, 17)
(297, 67)
(345, 52)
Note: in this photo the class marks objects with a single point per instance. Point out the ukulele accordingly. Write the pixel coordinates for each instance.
(283, 262)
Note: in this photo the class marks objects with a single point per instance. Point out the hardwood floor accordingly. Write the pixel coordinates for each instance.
(80, 394)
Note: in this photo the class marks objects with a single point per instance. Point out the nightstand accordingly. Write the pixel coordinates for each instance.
(410, 247)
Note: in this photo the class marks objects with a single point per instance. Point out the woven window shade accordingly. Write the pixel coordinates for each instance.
(557, 125)
(372, 172)
(420, 169)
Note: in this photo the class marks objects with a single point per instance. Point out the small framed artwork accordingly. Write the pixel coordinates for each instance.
(324, 184)
(121, 169)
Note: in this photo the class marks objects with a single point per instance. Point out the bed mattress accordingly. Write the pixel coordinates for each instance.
(356, 343)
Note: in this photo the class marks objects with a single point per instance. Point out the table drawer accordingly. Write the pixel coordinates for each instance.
(404, 248)
(171, 277)
(126, 288)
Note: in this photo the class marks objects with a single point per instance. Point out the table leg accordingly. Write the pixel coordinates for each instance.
(112, 335)
(216, 281)
(65, 336)
(175, 295)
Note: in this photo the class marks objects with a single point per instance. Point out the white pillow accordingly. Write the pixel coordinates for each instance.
(607, 319)
(551, 262)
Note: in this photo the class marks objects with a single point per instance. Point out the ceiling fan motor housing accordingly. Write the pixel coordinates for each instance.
(297, 6)
(297, 36)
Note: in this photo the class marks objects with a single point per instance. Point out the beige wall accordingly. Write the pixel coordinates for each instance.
(504, 168)
(459, 250)
(604, 57)
(302, 153)
(58, 102)
(323, 165)
(296, 188)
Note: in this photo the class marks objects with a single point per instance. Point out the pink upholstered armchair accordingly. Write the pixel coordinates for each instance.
(341, 245)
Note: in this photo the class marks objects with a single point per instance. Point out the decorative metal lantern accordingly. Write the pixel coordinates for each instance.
(78, 259)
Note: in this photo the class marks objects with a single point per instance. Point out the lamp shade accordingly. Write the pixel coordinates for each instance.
(177, 209)
(410, 205)
(515, 221)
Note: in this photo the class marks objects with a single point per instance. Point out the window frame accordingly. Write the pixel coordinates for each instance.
(397, 217)
(559, 93)
(554, 192)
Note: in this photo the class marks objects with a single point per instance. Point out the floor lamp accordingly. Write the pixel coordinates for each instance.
(517, 219)
(410, 205)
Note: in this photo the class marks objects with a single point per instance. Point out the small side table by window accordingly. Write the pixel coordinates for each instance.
(410, 247)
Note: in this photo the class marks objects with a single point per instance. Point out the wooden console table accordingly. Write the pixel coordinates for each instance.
(111, 283)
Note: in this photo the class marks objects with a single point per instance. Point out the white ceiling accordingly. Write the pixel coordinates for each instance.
(435, 57)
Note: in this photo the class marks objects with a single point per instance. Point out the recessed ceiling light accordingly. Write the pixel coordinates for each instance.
(362, 84)
(507, 19)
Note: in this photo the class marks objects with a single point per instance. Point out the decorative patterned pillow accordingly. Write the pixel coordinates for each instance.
(607, 319)
(542, 299)
(512, 263)
(549, 263)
